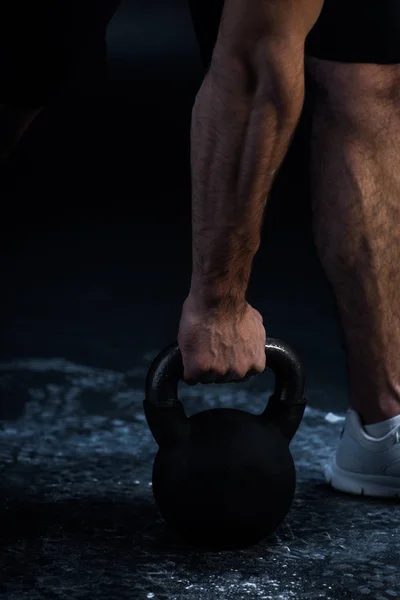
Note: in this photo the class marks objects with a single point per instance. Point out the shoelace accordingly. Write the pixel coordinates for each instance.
(397, 435)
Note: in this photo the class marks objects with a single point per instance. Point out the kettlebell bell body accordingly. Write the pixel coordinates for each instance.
(224, 478)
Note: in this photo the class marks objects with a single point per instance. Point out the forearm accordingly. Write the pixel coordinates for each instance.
(240, 133)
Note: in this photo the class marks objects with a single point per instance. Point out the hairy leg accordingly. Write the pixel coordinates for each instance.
(356, 220)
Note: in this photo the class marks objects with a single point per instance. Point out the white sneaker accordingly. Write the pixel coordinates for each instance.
(364, 465)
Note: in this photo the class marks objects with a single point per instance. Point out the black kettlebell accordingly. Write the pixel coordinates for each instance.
(224, 478)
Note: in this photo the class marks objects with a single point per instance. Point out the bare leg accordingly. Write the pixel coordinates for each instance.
(356, 219)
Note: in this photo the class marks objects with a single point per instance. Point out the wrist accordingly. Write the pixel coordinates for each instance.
(215, 297)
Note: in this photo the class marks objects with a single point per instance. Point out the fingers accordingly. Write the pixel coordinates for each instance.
(251, 374)
(211, 376)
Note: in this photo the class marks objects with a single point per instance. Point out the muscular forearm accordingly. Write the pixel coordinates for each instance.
(241, 130)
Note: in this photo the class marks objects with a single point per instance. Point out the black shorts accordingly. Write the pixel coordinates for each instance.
(366, 31)
(357, 31)
(42, 41)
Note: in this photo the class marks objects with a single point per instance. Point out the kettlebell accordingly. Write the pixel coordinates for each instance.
(224, 479)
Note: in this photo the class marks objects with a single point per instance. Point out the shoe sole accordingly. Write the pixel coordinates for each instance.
(376, 486)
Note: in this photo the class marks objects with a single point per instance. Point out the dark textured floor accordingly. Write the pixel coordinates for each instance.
(89, 297)
(78, 518)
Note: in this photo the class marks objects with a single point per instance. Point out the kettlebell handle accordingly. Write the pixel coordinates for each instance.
(165, 414)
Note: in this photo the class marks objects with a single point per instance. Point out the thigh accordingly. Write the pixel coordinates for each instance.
(359, 92)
